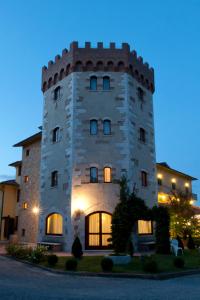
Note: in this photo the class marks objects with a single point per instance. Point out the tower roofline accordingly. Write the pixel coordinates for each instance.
(112, 59)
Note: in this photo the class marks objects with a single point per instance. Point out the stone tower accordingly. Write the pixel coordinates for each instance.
(97, 126)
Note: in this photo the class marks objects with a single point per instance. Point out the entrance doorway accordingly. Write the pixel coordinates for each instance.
(98, 230)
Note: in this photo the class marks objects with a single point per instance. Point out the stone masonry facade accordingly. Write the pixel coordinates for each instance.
(77, 150)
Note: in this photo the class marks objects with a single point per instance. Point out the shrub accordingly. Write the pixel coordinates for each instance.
(11, 249)
(179, 262)
(18, 251)
(52, 260)
(38, 254)
(150, 266)
(190, 243)
(77, 248)
(71, 264)
(107, 264)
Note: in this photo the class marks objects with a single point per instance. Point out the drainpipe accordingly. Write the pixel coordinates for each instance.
(1, 212)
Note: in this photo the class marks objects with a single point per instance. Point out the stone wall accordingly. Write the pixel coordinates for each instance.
(30, 193)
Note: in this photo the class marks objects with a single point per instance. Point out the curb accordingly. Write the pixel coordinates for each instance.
(161, 276)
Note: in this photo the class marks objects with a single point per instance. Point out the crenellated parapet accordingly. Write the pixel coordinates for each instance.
(97, 59)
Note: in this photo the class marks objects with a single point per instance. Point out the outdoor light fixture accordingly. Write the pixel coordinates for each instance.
(173, 180)
(191, 202)
(159, 176)
(187, 184)
(35, 210)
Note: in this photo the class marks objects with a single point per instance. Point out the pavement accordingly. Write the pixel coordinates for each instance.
(21, 281)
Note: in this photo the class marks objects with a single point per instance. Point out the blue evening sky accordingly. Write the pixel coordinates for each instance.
(165, 33)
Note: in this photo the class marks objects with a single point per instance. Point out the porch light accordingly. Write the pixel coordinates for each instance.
(191, 202)
(187, 184)
(159, 176)
(173, 180)
(35, 210)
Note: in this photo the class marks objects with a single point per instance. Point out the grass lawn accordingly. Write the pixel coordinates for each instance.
(165, 263)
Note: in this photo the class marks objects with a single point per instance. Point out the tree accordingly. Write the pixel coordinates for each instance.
(162, 218)
(182, 216)
(77, 248)
(129, 210)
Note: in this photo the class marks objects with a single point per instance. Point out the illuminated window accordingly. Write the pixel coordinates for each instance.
(145, 227)
(142, 135)
(24, 205)
(54, 224)
(26, 179)
(173, 183)
(106, 127)
(93, 175)
(55, 135)
(144, 178)
(93, 127)
(106, 83)
(57, 93)
(93, 83)
(187, 187)
(54, 178)
(107, 174)
(159, 179)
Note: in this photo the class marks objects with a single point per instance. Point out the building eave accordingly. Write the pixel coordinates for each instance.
(29, 140)
(166, 167)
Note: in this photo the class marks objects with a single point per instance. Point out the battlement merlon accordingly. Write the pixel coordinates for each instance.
(97, 59)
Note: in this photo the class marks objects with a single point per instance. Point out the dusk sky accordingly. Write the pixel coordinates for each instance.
(165, 33)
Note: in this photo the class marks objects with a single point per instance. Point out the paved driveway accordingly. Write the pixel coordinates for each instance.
(19, 281)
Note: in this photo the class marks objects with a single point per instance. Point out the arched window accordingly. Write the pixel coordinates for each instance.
(107, 174)
(93, 83)
(93, 175)
(142, 135)
(55, 135)
(54, 178)
(93, 127)
(106, 127)
(98, 230)
(106, 83)
(54, 224)
(57, 93)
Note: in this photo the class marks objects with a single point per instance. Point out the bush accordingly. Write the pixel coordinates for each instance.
(190, 243)
(179, 262)
(77, 248)
(38, 254)
(18, 251)
(107, 264)
(150, 266)
(52, 260)
(71, 264)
